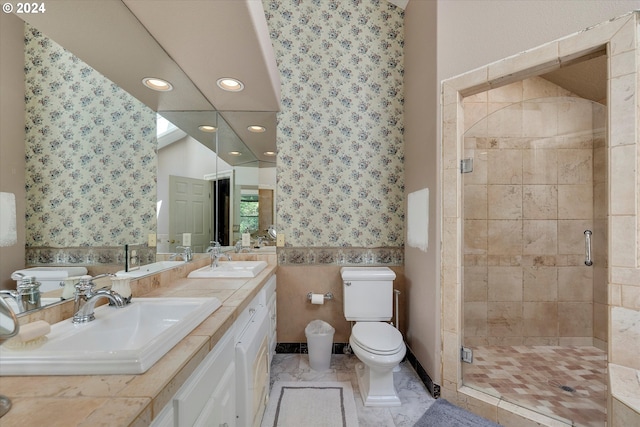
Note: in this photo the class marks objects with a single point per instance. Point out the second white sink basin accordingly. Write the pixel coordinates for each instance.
(230, 269)
(125, 340)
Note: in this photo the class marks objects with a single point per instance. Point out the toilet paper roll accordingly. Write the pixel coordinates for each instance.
(317, 299)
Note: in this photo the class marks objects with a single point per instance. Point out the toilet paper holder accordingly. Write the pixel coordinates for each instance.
(327, 296)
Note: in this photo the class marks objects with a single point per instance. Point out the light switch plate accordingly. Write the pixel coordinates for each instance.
(280, 240)
(186, 239)
(152, 240)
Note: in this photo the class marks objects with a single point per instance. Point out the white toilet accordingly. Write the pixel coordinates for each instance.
(368, 301)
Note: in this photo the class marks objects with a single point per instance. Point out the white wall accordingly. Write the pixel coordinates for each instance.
(12, 161)
(188, 158)
(422, 271)
(473, 33)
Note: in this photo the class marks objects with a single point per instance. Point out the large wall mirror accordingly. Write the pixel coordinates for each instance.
(208, 203)
(235, 163)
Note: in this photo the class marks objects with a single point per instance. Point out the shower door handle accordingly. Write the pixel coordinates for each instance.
(587, 247)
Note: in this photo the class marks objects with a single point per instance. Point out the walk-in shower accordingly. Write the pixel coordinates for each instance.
(534, 200)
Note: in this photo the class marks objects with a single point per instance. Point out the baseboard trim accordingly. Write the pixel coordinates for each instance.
(434, 389)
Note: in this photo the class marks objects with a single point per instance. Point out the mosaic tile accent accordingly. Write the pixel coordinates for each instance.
(568, 382)
(341, 256)
(340, 166)
(85, 256)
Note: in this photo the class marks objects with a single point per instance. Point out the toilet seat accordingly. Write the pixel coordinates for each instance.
(378, 338)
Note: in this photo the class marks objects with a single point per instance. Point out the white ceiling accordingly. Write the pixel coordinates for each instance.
(214, 39)
(190, 43)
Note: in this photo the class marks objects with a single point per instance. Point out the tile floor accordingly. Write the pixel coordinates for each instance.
(413, 394)
(569, 382)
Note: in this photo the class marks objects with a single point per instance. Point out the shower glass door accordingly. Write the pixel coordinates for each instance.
(534, 312)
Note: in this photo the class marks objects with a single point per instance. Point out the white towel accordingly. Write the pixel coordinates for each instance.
(418, 219)
(8, 231)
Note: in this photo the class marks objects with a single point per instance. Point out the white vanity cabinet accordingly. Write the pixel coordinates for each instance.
(253, 361)
(208, 397)
(230, 388)
(270, 296)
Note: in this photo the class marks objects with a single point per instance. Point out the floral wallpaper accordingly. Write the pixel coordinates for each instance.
(340, 159)
(90, 154)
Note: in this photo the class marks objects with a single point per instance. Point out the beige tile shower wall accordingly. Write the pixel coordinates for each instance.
(624, 290)
(526, 206)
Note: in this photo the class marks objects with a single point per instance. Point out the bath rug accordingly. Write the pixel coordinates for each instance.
(444, 414)
(311, 404)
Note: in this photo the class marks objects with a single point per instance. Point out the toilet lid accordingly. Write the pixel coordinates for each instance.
(377, 337)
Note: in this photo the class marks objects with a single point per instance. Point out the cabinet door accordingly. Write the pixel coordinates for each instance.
(261, 372)
(165, 418)
(197, 391)
(220, 410)
(273, 320)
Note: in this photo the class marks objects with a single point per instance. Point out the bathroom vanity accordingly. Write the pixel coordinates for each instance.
(231, 385)
(198, 378)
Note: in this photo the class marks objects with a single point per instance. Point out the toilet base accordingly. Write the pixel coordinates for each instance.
(376, 389)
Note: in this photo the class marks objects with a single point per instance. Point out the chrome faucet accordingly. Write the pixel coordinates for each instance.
(240, 248)
(27, 293)
(216, 253)
(86, 297)
(187, 254)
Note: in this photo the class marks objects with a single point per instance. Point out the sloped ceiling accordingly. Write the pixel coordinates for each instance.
(587, 79)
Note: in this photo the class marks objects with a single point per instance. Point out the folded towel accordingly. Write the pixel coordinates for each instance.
(8, 230)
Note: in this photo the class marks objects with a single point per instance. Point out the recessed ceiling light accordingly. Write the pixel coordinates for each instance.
(207, 128)
(235, 153)
(256, 128)
(230, 84)
(157, 84)
(269, 153)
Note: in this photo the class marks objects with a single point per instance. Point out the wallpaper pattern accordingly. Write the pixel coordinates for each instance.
(90, 155)
(340, 130)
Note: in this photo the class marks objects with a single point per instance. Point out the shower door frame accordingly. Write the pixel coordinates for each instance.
(613, 37)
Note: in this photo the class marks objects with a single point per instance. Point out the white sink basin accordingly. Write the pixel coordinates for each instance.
(125, 340)
(152, 268)
(230, 269)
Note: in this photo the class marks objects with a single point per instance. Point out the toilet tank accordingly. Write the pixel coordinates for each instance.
(367, 293)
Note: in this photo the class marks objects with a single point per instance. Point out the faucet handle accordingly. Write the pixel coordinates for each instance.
(27, 283)
(85, 284)
(17, 276)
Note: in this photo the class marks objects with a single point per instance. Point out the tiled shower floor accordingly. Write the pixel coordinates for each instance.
(568, 382)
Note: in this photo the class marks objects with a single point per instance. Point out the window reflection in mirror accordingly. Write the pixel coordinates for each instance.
(249, 211)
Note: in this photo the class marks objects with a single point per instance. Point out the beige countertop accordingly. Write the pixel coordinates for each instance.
(131, 400)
